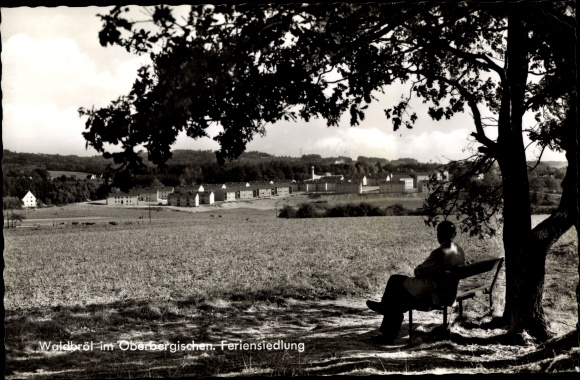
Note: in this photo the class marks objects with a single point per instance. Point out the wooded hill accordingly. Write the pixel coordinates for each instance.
(97, 164)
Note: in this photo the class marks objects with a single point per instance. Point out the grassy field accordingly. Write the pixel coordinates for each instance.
(242, 274)
(222, 257)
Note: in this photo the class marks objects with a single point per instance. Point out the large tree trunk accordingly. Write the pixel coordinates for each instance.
(570, 182)
(574, 161)
(524, 269)
(546, 233)
(551, 229)
(576, 208)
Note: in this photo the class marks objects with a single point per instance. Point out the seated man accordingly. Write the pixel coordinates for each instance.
(431, 285)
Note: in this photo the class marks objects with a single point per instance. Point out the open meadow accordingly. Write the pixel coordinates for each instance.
(241, 274)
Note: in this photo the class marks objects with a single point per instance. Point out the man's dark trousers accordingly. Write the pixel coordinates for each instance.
(396, 301)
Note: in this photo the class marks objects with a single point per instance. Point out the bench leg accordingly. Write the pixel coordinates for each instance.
(445, 321)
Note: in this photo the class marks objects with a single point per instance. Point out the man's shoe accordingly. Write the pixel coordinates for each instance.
(380, 339)
(376, 306)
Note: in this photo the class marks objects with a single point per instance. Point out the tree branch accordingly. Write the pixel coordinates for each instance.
(479, 135)
(475, 59)
(539, 157)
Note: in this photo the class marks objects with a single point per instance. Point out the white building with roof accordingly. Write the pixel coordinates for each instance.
(29, 200)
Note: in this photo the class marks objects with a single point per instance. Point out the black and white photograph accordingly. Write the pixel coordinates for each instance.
(290, 189)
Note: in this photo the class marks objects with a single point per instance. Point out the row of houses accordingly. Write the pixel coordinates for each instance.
(193, 196)
(139, 197)
(334, 186)
(393, 183)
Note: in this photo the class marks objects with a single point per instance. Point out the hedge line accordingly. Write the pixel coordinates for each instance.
(319, 210)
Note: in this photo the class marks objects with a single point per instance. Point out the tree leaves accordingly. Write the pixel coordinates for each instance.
(245, 65)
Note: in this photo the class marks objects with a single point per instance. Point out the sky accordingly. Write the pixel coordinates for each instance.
(52, 64)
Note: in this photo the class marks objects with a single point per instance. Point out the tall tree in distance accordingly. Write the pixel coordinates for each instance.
(243, 66)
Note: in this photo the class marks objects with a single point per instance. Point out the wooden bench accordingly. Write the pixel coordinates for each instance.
(467, 291)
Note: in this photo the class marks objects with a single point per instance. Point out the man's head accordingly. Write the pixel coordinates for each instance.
(445, 231)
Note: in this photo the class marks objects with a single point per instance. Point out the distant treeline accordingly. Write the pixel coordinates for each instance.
(31, 161)
(191, 166)
(97, 164)
(274, 170)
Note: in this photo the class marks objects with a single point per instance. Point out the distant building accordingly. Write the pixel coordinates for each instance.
(263, 189)
(370, 181)
(423, 187)
(183, 199)
(225, 195)
(199, 188)
(324, 176)
(349, 187)
(440, 175)
(121, 198)
(408, 180)
(245, 192)
(163, 193)
(148, 195)
(139, 197)
(307, 187)
(435, 175)
(29, 200)
(283, 188)
(206, 197)
(391, 187)
(418, 177)
(325, 186)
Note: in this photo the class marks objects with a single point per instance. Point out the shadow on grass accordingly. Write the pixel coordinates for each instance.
(321, 337)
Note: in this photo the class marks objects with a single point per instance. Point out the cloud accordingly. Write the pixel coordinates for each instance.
(315, 138)
(44, 83)
(60, 131)
(54, 70)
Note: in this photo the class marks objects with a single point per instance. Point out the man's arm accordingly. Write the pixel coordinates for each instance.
(440, 260)
(432, 265)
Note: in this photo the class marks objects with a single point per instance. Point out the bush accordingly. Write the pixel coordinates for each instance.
(287, 212)
(337, 212)
(11, 203)
(362, 209)
(310, 210)
(376, 211)
(306, 210)
(397, 210)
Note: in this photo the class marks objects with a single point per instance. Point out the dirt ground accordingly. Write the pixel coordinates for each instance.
(322, 337)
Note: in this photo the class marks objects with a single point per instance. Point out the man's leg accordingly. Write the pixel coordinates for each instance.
(395, 303)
